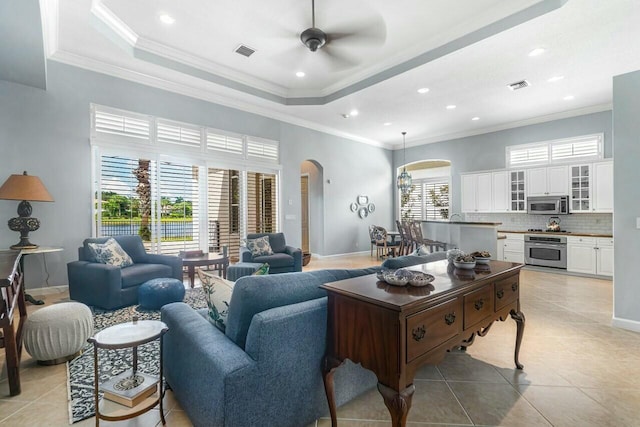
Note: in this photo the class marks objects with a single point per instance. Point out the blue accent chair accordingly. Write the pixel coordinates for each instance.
(285, 259)
(109, 287)
(265, 369)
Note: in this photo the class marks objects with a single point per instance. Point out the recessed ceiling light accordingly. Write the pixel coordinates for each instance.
(537, 51)
(345, 116)
(568, 97)
(423, 90)
(167, 19)
(353, 113)
(386, 124)
(475, 119)
(451, 107)
(300, 74)
(555, 79)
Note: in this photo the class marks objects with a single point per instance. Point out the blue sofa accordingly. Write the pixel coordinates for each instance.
(110, 287)
(285, 259)
(265, 369)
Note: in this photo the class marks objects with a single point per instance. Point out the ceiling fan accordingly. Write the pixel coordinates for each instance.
(363, 32)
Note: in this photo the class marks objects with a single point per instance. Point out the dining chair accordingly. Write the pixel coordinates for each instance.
(420, 240)
(406, 244)
(384, 247)
(373, 241)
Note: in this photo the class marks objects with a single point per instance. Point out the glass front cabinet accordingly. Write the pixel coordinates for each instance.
(581, 186)
(517, 193)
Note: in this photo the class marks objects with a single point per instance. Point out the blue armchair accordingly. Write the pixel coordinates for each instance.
(110, 287)
(285, 259)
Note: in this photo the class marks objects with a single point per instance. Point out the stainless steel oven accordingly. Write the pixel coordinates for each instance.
(546, 251)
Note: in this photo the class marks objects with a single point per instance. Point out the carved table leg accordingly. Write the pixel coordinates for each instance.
(328, 369)
(518, 316)
(398, 403)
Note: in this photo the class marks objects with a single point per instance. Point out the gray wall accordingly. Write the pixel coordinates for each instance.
(47, 134)
(626, 204)
(487, 151)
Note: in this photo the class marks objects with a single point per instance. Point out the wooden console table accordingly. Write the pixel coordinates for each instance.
(394, 330)
(12, 292)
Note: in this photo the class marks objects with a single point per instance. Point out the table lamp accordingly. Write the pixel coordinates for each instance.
(26, 188)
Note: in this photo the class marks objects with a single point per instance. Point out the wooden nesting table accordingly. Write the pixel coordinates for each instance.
(394, 330)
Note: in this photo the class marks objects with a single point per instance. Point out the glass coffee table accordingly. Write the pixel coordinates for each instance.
(128, 335)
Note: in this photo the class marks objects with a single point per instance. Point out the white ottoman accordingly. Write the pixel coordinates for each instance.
(56, 333)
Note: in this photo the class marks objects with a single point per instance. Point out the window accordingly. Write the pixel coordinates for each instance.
(190, 202)
(580, 148)
(428, 199)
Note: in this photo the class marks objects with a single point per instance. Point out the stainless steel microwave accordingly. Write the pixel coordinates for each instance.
(548, 205)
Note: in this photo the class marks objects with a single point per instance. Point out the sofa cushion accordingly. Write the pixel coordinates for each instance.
(276, 260)
(276, 240)
(259, 246)
(111, 253)
(254, 294)
(140, 273)
(262, 270)
(217, 293)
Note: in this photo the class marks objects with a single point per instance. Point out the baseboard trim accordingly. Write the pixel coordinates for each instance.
(337, 255)
(630, 325)
(48, 290)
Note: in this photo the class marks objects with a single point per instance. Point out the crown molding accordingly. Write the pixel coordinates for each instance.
(200, 93)
(520, 123)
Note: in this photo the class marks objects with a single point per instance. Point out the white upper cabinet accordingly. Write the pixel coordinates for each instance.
(548, 181)
(591, 187)
(476, 192)
(500, 181)
(517, 191)
(603, 187)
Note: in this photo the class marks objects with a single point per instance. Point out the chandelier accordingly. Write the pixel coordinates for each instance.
(404, 179)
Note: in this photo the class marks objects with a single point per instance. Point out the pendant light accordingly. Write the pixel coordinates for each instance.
(404, 179)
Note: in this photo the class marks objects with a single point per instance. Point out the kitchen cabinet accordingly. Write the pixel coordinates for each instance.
(513, 247)
(500, 191)
(603, 187)
(548, 181)
(590, 255)
(591, 187)
(476, 192)
(517, 191)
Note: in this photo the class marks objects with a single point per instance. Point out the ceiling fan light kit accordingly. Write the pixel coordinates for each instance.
(313, 38)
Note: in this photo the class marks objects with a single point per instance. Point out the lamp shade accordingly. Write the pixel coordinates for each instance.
(24, 187)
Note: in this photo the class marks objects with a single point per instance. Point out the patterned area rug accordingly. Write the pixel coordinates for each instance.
(114, 362)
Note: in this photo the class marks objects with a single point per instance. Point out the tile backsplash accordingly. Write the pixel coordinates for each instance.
(598, 223)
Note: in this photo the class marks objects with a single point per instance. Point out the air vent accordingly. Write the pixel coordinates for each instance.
(519, 85)
(244, 50)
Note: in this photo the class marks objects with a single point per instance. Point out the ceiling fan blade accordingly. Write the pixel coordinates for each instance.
(367, 32)
(336, 60)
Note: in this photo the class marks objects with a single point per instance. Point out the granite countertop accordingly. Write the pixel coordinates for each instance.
(501, 236)
(572, 233)
(463, 222)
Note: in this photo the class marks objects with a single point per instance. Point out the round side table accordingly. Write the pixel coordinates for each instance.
(127, 335)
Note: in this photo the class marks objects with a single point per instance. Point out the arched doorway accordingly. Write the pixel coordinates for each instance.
(312, 207)
(429, 197)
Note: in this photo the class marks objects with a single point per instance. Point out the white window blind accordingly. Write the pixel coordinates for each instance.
(531, 155)
(121, 125)
(170, 133)
(262, 149)
(261, 203)
(224, 143)
(223, 194)
(583, 148)
(411, 203)
(436, 199)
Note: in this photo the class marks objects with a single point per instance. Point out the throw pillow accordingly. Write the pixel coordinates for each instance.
(110, 252)
(259, 246)
(264, 269)
(217, 293)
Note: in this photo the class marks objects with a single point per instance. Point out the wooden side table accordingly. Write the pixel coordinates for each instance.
(219, 261)
(128, 335)
(39, 250)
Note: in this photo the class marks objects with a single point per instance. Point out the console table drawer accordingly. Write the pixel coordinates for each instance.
(478, 305)
(430, 328)
(507, 291)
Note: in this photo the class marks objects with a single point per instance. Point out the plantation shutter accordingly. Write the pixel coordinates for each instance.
(261, 203)
(436, 199)
(223, 196)
(179, 208)
(411, 203)
(120, 126)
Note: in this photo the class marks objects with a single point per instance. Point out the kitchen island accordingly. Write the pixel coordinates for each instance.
(465, 235)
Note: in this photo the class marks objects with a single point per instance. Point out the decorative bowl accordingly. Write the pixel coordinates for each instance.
(420, 279)
(452, 254)
(482, 257)
(382, 273)
(464, 265)
(482, 260)
(394, 280)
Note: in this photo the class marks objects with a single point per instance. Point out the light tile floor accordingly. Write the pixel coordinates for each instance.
(579, 371)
